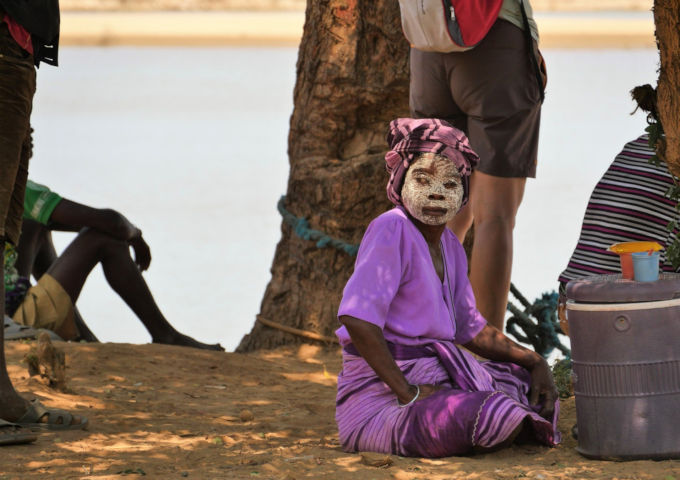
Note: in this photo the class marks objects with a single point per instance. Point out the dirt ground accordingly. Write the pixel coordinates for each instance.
(172, 413)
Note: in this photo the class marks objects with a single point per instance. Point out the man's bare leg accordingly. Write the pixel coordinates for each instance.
(36, 253)
(88, 249)
(13, 405)
(494, 202)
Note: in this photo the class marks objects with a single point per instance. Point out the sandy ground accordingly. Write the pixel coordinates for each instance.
(216, 28)
(172, 413)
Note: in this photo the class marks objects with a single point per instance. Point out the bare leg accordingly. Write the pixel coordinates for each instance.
(461, 223)
(13, 405)
(494, 203)
(88, 249)
(36, 253)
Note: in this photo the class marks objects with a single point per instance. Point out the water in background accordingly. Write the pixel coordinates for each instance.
(190, 144)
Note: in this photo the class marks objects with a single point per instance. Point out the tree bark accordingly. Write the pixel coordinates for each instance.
(352, 79)
(667, 20)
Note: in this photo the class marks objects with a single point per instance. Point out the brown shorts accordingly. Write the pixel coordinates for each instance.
(17, 86)
(489, 92)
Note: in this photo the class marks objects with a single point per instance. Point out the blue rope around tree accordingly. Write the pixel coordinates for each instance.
(301, 227)
(541, 333)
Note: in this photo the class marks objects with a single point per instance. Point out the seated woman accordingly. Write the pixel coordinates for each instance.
(406, 387)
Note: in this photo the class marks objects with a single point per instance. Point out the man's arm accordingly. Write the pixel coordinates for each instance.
(72, 216)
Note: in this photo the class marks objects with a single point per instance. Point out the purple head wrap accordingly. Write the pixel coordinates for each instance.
(409, 137)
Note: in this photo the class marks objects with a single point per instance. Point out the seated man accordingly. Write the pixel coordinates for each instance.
(105, 236)
(406, 387)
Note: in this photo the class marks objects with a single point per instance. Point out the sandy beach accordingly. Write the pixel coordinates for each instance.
(172, 413)
(284, 28)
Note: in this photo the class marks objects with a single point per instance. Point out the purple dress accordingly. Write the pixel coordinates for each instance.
(395, 286)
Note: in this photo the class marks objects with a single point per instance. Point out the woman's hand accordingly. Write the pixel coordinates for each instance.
(543, 387)
(426, 390)
(490, 343)
(423, 391)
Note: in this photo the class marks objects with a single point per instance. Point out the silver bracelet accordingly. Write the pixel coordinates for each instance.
(412, 400)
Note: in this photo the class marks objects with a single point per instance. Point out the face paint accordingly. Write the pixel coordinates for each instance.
(432, 191)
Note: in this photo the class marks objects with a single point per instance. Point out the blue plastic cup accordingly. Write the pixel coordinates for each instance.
(646, 266)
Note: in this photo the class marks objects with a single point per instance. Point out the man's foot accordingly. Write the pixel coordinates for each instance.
(186, 341)
(13, 434)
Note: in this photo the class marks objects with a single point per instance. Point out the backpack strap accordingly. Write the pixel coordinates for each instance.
(530, 47)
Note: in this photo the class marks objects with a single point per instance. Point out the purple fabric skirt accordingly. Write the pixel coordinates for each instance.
(481, 404)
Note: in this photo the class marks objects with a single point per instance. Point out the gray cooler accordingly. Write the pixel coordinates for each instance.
(625, 344)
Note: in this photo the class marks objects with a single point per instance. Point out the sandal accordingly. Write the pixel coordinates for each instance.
(14, 331)
(56, 419)
(13, 434)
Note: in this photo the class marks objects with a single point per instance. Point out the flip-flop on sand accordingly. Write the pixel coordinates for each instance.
(15, 331)
(14, 434)
(56, 419)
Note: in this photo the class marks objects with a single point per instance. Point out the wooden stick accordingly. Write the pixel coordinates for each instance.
(296, 331)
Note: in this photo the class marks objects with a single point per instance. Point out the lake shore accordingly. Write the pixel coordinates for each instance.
(284, 28)
(171, 412)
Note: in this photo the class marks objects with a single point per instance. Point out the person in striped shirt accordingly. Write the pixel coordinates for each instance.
(629, 203)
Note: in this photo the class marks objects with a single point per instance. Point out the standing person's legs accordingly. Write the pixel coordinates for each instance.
(17, 86)
(494, 204)
(495, 88)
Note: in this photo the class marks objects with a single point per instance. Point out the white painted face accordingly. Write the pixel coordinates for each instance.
(432, 191)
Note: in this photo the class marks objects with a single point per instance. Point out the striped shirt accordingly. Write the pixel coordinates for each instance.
(629, 203)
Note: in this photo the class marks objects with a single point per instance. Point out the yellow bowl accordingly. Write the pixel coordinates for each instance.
(632, 247)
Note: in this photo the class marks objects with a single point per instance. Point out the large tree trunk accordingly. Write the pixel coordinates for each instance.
(667, 20)
(352, 79)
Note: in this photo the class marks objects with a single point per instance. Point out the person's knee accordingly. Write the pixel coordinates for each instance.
(104, 244)
(498, 221)
(496, 199)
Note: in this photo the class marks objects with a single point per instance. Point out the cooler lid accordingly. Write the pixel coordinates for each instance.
(614, 289)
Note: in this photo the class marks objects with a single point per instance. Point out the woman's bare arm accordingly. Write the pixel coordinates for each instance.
(369, 341)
